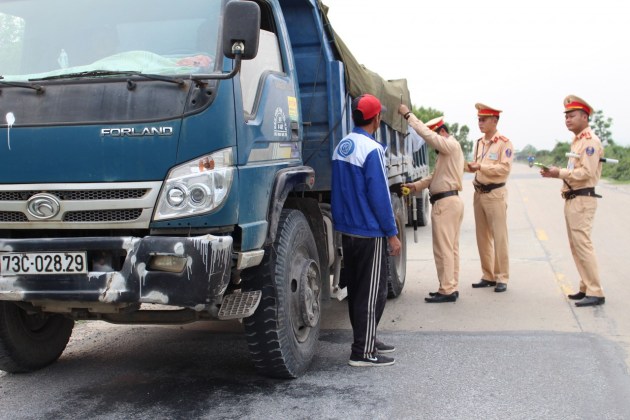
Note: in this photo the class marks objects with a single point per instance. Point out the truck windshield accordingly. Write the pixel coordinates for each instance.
(48, 38)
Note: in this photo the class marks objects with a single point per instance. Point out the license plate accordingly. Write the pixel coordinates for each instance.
(37, 263)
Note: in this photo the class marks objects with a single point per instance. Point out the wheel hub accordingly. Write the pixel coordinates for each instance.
(309, 293)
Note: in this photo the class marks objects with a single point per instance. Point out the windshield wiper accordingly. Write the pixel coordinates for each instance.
(162, 78)
(99, 73)
(36, 88)
(86, 74)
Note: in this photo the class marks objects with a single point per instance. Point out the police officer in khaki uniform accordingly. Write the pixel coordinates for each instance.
(491, 166)
(579, 179)
(447, 211)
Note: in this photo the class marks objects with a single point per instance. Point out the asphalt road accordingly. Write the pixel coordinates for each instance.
(527, 353)
(155, 373)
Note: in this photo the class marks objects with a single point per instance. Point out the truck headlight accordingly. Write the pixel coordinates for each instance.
(196, 187)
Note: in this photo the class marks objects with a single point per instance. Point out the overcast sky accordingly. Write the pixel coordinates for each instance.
(522, 57)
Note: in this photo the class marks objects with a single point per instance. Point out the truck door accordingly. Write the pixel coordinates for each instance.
(269, 140)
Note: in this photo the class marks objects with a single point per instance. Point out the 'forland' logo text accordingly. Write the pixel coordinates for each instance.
(136, 132)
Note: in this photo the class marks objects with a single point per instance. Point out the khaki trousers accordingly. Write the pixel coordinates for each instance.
(579, 213)
(492, 234)
(447, 215)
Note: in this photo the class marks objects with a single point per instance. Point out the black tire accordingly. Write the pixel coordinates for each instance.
(397, 265)
(282, 334)
(30, 341)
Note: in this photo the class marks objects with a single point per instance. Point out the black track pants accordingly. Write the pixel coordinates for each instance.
(365, 275)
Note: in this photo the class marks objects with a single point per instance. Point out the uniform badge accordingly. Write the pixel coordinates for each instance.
(508, 152)
(590, 151)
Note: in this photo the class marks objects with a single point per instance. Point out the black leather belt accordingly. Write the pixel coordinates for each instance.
(589, 192)
(486, 188)
(435, 197)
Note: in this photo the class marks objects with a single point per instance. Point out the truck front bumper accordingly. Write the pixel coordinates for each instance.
(201, 283)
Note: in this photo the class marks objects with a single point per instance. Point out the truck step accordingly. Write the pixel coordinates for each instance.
(239, 304)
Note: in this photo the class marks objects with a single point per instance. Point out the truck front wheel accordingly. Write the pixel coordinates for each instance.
(30, 341)
(282, 334)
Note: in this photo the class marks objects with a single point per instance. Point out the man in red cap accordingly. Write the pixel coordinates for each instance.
(447, 211)
(579, 179)
(492, 165)
(362, 212)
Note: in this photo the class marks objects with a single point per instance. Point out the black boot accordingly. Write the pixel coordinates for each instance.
(439, 298)
(484, 283)
(577, 296)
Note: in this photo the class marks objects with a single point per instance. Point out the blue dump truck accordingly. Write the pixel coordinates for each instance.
(168, 162)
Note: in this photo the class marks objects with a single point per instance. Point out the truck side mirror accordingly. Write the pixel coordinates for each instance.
(241, 24)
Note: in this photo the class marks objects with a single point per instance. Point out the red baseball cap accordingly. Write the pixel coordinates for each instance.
(369, 106)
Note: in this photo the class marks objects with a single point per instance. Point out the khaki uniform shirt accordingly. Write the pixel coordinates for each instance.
(495, 158)
(585, 171)
(449, 166)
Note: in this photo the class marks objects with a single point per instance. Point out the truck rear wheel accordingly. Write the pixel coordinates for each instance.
(282, 334)
(30, 341)
(397, 265)
(422, 209)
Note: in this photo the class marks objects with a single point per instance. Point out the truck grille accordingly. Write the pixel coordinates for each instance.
(77, 195)
(12, 216)
(79, 206)
(126, 215)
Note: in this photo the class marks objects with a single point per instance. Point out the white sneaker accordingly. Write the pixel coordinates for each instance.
(377, 360)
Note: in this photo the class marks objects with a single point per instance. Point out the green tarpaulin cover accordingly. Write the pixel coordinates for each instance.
(361, 80)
